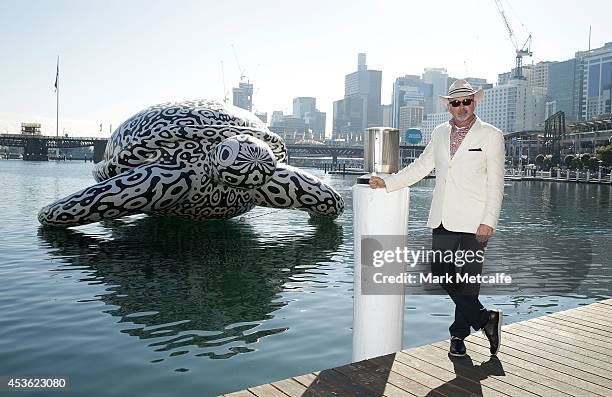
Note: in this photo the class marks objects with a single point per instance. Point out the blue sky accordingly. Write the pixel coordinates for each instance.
(117, 57)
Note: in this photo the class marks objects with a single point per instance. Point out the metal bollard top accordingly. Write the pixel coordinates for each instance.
(381, 152)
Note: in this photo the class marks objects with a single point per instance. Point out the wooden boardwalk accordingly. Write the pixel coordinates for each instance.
(562, 354)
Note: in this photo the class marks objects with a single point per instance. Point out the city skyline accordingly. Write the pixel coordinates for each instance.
(113, 65)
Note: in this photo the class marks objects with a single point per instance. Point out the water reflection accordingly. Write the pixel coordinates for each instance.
(204, 285)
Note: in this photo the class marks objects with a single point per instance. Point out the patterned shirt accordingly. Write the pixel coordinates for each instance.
(457, 134)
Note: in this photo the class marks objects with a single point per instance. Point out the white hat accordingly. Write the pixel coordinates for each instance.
(461, 88)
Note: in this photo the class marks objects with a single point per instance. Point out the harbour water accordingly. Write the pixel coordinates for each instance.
(153, 306)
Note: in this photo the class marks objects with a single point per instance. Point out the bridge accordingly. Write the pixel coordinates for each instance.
(36, 147)
(335, 151)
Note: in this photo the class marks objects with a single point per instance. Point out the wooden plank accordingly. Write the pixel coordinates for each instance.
(428, 380)
(569, 337)
(292, 388)
(241, 393)
(342, 385)
(528, 334)
(540, 384)
(377, 381)
(587, 311)
(560, 354)
(581, 323)
(405, 383)
(317, 386)
(589, 326)
(557, 374)
(515, 375)
(515, 342)
(450, 376)
(484, 373)
(559, 363)
(525, 331)
(588, 317)
(266, 391)
(560, 325)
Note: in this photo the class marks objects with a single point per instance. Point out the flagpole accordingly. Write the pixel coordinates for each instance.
(57, 99)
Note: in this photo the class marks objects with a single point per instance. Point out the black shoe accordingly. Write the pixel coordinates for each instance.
(457, 347)
(492, 330)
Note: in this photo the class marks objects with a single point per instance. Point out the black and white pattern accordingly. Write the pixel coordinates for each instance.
(194, 159)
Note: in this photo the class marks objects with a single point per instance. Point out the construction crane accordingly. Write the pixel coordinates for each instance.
(241, 70)
(524, 50)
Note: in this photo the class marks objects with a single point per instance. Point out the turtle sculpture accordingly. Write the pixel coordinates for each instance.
(195, 159)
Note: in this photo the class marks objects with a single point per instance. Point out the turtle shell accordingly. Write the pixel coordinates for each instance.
(163, 132)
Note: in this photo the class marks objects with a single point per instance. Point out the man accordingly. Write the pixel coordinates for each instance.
(468, 156)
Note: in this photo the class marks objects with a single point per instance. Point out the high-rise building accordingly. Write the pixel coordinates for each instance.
(438, 78)
(291, 129)
(348, 122)
(515, 106)
(315, 122)
(561, 83)
(411, 90)
(301, 105)
(410, 116)
(536, 75)
(596, 82)
(277, 117)
(430, 122)
(539, 76)
(263, 116)
(243, 96)
(360, 107)
(387, 115)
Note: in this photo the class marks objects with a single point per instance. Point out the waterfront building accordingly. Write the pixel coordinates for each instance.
(387, 115)
(315, 123)
(277, 117)
(515, 106)
(360, 107)
(596, 67)
(302, 105)
(438, 78)
(263, 116)
(561, 89)
(410, 116)
(431, 121)
(411, 90)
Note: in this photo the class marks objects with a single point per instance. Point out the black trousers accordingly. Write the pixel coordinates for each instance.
(469, 312)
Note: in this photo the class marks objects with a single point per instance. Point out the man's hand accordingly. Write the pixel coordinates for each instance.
(483, 233)
(376, 182)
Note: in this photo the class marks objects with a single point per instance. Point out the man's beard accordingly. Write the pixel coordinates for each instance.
(463, 117)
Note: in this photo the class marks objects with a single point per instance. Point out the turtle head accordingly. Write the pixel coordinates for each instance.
(243, 162)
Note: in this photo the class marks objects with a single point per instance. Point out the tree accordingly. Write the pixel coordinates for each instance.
(594, 163)
(568, 160)
(605, 155)
(539, 160)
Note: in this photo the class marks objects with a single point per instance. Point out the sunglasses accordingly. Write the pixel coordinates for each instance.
(465, 102)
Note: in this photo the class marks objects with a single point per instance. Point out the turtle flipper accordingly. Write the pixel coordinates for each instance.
(291, 187)
(148, 188)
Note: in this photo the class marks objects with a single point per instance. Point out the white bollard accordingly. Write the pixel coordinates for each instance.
(378, 320)
(588, 175)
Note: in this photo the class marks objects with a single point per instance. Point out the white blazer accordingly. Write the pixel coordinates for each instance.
(469, 187)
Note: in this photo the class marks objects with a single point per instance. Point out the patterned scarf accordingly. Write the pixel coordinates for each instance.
(457, 134)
